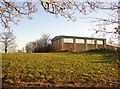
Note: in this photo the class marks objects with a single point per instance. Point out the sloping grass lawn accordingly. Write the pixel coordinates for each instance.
(60, 70)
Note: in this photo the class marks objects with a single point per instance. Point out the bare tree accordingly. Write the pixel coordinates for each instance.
(45, 40)
(12, 11)
(39, 45)
(30, 47)
(8, 41)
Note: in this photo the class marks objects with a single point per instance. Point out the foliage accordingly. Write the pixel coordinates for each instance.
(60, 70)
(49, 48)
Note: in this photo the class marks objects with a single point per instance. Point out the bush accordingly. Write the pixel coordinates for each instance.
(49, 48)
(38, 49)
(52, 48)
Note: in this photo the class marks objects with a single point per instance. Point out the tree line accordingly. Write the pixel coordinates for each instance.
(8, 44)
(41, 45)
(8, 41)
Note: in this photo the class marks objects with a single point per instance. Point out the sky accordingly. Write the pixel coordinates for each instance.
(30, 30)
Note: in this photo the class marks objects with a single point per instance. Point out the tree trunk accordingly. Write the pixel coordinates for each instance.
(5, 48)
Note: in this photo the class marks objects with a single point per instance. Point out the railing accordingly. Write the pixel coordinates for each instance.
(112, 47)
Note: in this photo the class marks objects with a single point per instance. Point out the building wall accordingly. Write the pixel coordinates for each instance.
(68, 46)
(100, 46)
(58, 43)
(79, 44)
(80, 47)
(91, 46)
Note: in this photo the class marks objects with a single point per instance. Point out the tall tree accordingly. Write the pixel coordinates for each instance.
(8, 41)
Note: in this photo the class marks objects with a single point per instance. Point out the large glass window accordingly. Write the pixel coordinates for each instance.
(90, 42)
(79, 40)
(68, 40)
(99, 42)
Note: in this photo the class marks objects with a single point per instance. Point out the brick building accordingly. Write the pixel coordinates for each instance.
(76, 44)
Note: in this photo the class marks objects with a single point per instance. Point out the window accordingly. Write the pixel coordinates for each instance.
(79, 40)
(90, 42)
(59, 41)
(68, 40)
(99, 42)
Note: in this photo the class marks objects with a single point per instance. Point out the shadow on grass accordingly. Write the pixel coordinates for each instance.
(102, 51)
(108, 56)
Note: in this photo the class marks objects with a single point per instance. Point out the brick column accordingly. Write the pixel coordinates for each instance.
(74, 44)
(96, 45)
(104, 43)
(85, 40)
(62, 43)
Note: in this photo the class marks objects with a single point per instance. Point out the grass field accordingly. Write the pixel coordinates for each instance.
(60, 70)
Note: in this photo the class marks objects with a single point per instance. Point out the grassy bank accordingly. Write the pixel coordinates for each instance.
(60, 70)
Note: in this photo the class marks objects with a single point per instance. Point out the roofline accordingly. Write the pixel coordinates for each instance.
(76, 37)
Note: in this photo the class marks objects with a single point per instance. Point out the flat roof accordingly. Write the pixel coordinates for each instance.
(58, 37)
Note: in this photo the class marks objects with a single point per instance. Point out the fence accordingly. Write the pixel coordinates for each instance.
(113, 47)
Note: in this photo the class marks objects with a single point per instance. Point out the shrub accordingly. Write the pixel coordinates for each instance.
(49, 48)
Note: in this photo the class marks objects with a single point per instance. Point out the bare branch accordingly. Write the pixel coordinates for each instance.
(12, 12)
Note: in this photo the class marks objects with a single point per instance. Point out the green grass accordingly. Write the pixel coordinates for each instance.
(60, 69)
